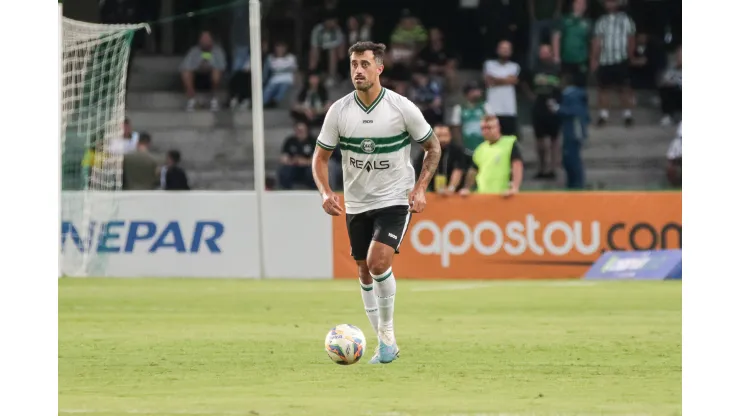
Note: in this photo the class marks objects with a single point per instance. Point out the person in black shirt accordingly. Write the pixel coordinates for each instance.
(544, 89)
(296, 159)
(175, 178)
(312, 102)
(438, 59)
(451, 167)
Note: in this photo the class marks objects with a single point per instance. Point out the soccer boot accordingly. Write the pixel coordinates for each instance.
(376, 357)
(386, 351)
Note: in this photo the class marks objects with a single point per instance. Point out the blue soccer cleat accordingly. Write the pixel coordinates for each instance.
(384, 353)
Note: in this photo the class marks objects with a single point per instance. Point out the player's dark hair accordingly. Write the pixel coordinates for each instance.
(378, 50)
(174, 155)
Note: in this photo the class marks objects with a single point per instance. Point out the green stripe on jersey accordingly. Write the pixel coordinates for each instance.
(368, 148)
(427, 136)
(377, 140)
(323, 146)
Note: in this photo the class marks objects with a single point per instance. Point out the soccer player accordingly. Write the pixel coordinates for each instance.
(373, 128)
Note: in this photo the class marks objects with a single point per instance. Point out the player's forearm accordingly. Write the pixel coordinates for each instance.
(430, 163)
(320, 168)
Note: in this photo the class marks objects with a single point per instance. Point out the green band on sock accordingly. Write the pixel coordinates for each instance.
(366, 288)
(384, 276)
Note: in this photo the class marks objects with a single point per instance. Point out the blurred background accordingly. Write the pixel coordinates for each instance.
(442, 55)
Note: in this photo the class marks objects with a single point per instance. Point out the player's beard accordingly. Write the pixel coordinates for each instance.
(364, 85)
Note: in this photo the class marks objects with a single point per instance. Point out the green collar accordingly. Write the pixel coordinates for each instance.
(373, 104)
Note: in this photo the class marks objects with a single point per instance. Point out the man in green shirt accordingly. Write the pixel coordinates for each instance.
(543, 16)
(497, 166)
(571, 41)
(466, 118)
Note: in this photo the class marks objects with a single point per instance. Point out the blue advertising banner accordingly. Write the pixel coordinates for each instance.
(640, 265)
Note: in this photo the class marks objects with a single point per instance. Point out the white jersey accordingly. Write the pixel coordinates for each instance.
(376, 148)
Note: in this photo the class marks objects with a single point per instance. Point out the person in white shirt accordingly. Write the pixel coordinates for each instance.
(674, 156)
(280, 69)
(128, 142)
(501, 77)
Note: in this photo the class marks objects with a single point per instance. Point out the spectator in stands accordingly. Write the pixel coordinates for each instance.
(172, 176)
(296, 159)
(501, 76)
(427, 95)
(279, 71)
(613, 47)
(573, 111)
(140, 167)
(240, 85)
(543, 17)
(312, 102)
(327, 48)
(409, 34)
(406, 40)
(359, 33)
(397, 74)
(201, 70)
(544, 88)
(648, 61)
(438, 60)
(497, 166)
(570, 41)
(673, 172)
(670, 88)
(127, 143)
(466, 119)
(451, 167)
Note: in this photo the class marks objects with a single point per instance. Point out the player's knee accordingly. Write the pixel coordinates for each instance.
(364, 272)
(378, 266)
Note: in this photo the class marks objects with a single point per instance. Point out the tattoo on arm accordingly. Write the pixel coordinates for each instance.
(431, 160)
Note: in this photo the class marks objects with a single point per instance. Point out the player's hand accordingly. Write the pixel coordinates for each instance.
(511, 192)
(331, 204)
(464, 192)
(417, 201)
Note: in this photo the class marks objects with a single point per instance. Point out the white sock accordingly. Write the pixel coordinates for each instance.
(385, 290)
(628, 113)
(604, 113)
(371, 304)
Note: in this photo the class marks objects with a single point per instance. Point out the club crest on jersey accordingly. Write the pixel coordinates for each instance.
(368, 146)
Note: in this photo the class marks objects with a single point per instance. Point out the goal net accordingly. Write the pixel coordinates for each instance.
(93, 82)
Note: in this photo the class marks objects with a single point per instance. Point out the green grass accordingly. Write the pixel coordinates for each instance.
(233, 347)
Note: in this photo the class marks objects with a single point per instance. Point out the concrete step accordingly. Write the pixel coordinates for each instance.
(603, 178)
(179, 119)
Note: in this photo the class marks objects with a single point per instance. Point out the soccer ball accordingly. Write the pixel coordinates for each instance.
(345, 344)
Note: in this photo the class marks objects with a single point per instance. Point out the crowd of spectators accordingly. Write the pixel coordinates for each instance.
(141, 170)
(566, 50)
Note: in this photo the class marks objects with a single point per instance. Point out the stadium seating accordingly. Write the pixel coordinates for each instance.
(217, 147)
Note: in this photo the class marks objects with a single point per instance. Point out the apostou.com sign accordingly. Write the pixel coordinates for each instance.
(548, 235)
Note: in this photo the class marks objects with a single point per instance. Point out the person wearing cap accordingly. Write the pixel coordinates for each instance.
(466, 118)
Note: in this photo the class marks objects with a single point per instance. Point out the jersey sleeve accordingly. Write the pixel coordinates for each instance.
(416, 125)
(329, 135)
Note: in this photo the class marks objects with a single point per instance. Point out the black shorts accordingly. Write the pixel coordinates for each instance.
(616, 75)
(384, 225)
(545, 124)
(508, 125)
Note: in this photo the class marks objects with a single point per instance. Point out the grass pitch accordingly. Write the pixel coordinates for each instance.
(241, 347)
